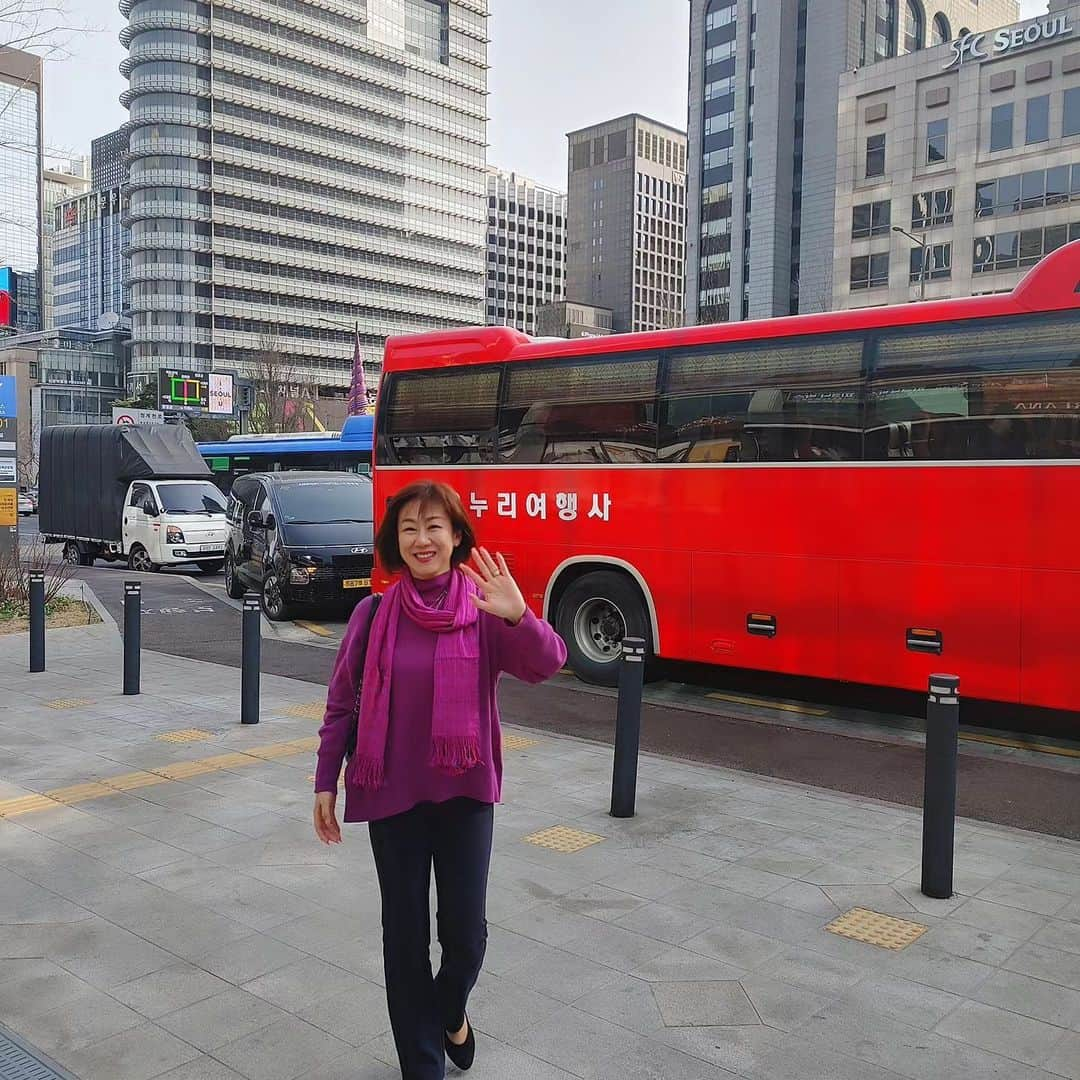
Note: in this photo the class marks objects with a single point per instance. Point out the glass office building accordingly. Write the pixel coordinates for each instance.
(297, 168)
(20, 180)
(88, 266)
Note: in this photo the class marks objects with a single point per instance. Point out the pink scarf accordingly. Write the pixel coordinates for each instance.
(455, 713)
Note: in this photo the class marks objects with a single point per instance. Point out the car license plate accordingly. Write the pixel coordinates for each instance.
(209, 547)
(356, 583)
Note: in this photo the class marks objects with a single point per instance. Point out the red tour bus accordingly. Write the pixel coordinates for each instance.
(868, 496)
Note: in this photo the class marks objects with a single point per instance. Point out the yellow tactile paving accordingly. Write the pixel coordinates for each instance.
(68, 703)
(132, 781)
(885, 931)
(78, 793)
(563, 838)
(313, 710)
(185, 735)
(518, 742)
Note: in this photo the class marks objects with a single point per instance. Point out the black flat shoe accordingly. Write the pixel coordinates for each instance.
(461, 1056)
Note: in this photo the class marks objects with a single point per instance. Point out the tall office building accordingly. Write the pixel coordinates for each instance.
(526, 249)
(60, 181)
(956, 174)
(107, 159)
(626, 218)
(21, 182)
(298, 167)
(88, 266)
(760, 196)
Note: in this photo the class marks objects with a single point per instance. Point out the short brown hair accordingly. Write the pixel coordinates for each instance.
(430, 493)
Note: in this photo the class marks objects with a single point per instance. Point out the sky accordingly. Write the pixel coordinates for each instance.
(582, 62)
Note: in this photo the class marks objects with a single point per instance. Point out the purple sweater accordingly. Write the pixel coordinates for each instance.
(531, 651)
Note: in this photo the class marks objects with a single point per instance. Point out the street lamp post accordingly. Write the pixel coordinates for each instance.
(921, 241)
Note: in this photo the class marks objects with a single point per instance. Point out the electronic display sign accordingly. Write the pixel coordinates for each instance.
(185, 390)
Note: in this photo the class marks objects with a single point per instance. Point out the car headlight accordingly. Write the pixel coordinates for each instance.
(174, 534)
(301, 575)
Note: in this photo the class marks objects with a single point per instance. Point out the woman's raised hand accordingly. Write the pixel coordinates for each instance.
(499, 592)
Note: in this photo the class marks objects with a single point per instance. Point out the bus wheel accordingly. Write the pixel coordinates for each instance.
(594, 615)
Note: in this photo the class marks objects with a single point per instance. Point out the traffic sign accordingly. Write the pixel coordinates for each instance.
(123, 416)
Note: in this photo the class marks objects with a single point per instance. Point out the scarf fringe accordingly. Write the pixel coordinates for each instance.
(455, 753)
(367, 772)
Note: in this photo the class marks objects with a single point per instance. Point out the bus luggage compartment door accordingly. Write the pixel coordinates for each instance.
(735, 594)
(975, 609)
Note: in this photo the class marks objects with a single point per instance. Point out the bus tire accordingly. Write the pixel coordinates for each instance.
(593, 616)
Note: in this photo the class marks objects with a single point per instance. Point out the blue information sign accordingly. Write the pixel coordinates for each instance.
(8, 407)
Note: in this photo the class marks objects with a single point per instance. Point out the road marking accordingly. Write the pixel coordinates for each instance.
(180, 770)
(1019, 744)
(314, 627)
(763, 703)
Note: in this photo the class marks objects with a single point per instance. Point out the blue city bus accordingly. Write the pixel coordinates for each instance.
(346, 451)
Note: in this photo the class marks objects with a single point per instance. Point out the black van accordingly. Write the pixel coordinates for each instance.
(300, 538)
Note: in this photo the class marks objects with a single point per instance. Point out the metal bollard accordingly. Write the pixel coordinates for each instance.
(250, 649)
(37, 620)
(939, 786)
(628, 728)
(132, 637)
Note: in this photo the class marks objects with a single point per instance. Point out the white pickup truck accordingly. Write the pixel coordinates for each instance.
(138, 494)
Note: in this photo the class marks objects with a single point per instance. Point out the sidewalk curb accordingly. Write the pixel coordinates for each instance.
(79, 589)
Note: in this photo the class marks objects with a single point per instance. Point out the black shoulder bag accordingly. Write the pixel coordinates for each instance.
(350, 748)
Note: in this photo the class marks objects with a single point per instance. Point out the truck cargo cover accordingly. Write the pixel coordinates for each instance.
(85, 471)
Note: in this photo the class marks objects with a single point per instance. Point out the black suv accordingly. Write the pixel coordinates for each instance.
(300, 537)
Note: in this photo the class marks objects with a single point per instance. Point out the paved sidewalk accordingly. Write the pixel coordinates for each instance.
(166, 912)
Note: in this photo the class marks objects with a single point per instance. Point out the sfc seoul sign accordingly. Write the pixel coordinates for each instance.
(972, 46)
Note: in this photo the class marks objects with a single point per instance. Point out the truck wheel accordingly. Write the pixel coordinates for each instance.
(75, 556)
(139, 559)
(210, 566)
(273, 601)
(234, 587)
(594, 615)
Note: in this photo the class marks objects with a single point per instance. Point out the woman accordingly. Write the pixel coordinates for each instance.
(427, 767)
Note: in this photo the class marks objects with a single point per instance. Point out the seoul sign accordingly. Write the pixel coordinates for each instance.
(973, 46)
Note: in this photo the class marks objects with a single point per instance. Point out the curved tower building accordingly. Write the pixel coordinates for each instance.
(298, 168)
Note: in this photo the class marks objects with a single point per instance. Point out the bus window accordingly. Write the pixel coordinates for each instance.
(579, 411)
(795, 400)
(441, 418)
(992, 390)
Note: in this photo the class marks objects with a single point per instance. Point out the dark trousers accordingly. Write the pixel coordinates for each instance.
(455, 836)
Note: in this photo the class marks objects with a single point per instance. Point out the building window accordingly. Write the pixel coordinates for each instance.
(875, 155)
(1001, 127)
(931, 263)
(1037, 129)
(1009, 250)
(929, 208)
(914, 27)
(870, 219)
(1032, 190)
(942, 32)
(870, 271)
(937, 141)
(1070, 124)
(885, 37)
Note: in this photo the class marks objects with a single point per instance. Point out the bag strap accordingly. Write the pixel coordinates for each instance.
(364, 638)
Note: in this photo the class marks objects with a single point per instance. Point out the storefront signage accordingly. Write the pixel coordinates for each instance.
(994, 43)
